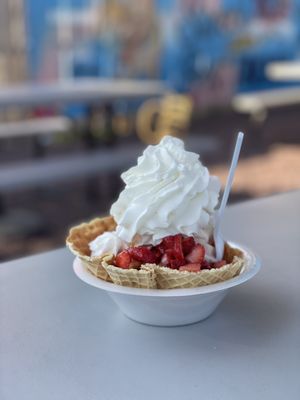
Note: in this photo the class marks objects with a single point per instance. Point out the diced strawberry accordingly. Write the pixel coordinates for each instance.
(205, 265)
(160, 248)
(164, 260)
(143, 254)
(135, 264)
(173, 260)
(123, 260)
(188, 243)
(171, 251)
(192, 267)
(196, 255)
(168, 242)
(219, 264)
(178, 247)
(158, 254)
(174, 263)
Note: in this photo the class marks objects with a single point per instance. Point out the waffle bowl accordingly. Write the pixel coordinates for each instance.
(149, 276)
(78, 242)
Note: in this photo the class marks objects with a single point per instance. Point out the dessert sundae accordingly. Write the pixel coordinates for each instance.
(160, 230)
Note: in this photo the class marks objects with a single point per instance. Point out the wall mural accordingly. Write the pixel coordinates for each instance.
(208, 48)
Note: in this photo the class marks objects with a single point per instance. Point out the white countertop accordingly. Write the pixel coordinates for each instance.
(62, 339)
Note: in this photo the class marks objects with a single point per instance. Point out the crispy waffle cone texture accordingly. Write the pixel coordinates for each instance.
(142, 278)
(78, 242)
(149, 276)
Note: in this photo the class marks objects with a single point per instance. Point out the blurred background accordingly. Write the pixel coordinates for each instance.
(85, 85)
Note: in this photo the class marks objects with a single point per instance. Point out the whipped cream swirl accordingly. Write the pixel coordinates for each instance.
(169, 191)
(107, 243)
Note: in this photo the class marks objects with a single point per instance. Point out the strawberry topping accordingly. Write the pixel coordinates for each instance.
(143, 254)
(196, 255)
(176, 252)
(164, 260)
(173, 261)
(219, 264)
(188, 243)
(167, 242)
(205, 265)
(193, 267)
(135, 264)
(123, 260)
(178, 247)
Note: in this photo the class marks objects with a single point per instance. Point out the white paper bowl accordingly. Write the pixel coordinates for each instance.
(170, 307)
